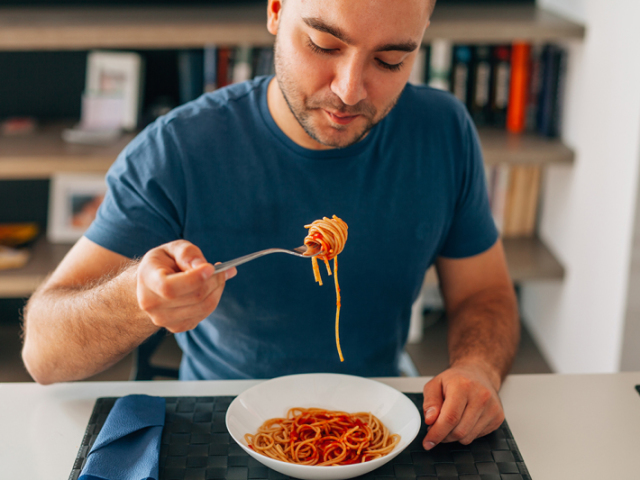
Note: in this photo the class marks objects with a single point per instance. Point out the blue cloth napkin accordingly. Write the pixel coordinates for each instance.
(128, 446)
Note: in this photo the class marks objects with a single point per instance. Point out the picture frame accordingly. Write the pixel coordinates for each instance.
(73, 203)
(114, 83)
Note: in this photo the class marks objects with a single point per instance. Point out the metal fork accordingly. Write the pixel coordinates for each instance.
(298, 252)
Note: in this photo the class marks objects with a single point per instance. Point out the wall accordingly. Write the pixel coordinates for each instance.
(630, 357)
(588, 209)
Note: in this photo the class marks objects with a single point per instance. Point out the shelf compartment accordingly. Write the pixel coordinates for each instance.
(21, 282)
(42, 154)
(528, 259)
(193, 27)
(500, 146)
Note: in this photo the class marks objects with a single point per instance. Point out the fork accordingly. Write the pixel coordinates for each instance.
(298, 252)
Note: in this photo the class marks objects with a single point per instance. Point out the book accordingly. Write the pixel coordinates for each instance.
(535, 85)
(242, 64)
(500, 79)
(190, 74)
(224, 61)
(480, 92)
(532, 196)
(460, 73)
(499, 187)
(553, 62)
(521, 201)
(440, 64)
(210, 68)
(264, 62)
(518, 87)
(419, 71)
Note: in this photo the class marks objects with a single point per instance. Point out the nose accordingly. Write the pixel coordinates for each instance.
(348, 82)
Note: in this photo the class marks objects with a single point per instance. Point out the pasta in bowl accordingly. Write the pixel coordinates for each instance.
(346, 403)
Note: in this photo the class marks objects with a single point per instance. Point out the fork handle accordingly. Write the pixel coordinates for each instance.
(221, 267)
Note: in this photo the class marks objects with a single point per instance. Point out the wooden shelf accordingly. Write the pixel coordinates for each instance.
(22, 282)
(45, 153)
(528, 259)
(191, 27)
(500, 24)
(500, 146)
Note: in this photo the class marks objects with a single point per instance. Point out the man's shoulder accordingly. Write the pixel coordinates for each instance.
(207, 117)
(431, 102)
(241, 98)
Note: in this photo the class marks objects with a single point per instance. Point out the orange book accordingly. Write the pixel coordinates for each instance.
(518, 90)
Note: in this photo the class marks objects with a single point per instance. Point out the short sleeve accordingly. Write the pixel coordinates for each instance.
(472, 229)
(145, 201)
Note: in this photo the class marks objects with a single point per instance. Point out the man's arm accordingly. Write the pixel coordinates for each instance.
(98, 306)
(462, 403)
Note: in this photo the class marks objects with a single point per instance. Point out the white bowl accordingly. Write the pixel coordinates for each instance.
(273, 398)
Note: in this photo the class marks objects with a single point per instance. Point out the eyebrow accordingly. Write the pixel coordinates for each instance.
(317, 24)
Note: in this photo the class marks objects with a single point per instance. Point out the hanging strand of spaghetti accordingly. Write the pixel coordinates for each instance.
(327, 238)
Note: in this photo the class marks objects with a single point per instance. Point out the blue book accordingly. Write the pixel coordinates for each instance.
(549, 102)
(210, 68)
(190, 74)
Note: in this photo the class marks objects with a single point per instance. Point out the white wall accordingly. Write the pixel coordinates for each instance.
(588, 208)
(630, 357)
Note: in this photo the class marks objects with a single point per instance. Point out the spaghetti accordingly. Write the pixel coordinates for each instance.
(327, 236)
(314, 436)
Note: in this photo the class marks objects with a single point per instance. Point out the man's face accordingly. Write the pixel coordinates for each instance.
(342, 64)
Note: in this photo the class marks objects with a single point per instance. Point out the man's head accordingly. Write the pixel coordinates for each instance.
(342, 64)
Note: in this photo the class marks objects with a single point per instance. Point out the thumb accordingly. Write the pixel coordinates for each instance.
(433, 400)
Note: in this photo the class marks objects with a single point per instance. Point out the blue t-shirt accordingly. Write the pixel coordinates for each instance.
(220, 173)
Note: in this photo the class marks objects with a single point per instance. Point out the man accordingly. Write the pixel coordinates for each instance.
(337, 131)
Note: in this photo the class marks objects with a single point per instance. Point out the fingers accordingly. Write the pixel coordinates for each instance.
(189, 316)
(177, 287)
(489, 422)
(186, 255)
(433, 399)
(467, 407)
(448, 419)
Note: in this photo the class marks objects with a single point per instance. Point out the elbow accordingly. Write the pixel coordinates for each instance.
(34, 353)
(34, 365)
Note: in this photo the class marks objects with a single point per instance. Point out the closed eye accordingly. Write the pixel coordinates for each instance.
(394, 67)
(317, 49)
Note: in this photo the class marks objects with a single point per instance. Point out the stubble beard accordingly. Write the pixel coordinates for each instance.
(301, 107)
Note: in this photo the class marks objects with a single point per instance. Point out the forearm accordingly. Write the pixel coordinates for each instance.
(485, 331)
(72, 333)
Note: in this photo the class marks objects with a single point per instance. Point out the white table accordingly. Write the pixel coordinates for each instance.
(567, 426)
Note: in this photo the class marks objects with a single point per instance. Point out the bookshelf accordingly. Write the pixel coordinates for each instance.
(182, 27)
(44, 153)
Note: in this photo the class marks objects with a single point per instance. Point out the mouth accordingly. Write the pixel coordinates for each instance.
(341, 119)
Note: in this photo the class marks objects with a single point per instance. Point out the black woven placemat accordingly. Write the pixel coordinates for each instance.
(197, 446)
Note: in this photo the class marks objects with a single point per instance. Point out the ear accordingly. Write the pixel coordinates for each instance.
(274, 12)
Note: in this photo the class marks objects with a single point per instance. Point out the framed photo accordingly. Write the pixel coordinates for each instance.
(73, 203)
(112, 96)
